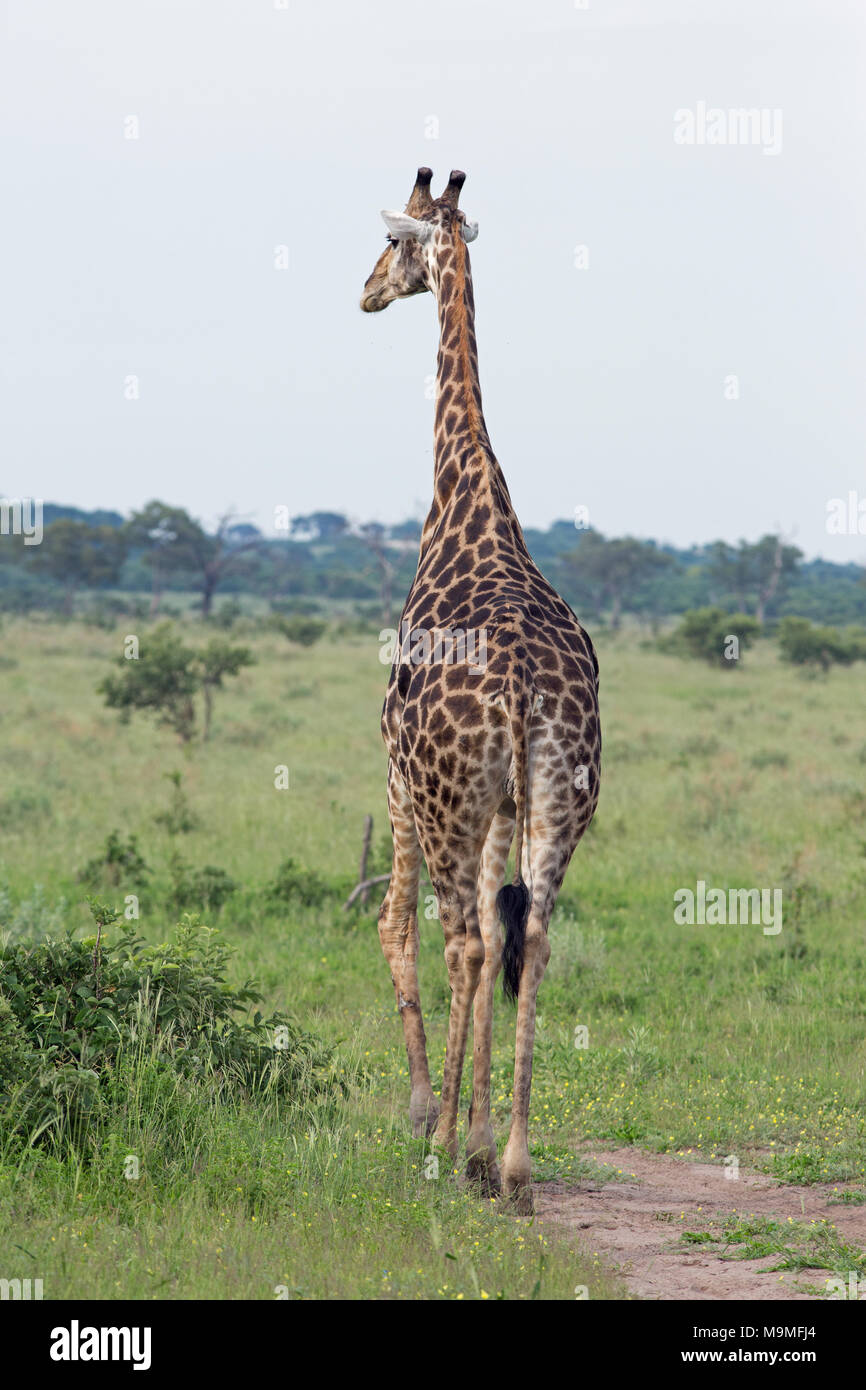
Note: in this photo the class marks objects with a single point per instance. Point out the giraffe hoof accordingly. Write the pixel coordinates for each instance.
(519, 1199)
(482, 1173)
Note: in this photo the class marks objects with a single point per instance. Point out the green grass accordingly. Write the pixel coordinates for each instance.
(702, 1040)
(790, 1244)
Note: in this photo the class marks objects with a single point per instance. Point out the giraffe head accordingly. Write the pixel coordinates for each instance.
(416, 240)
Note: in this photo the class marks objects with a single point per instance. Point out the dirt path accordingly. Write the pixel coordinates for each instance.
(625, 1222)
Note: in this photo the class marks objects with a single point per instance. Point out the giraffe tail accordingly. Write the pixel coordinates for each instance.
(513, 899)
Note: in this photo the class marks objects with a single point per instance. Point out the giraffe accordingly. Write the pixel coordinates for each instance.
(481, 751)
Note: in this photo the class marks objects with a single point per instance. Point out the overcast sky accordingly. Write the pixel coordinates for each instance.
(702, 376)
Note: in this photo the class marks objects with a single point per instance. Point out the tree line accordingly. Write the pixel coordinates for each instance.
(323, 557)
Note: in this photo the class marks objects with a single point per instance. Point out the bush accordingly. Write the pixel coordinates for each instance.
(118, 864)
(705, 633)
(293, 606)
(161, 679)
(806, 644)
(228, 613)
(206, 888)
(78, 1017)
(106, 610)
(178, 818)
(298, 885)
(303, 631)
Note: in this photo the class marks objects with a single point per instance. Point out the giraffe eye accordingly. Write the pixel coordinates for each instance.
(392, 240)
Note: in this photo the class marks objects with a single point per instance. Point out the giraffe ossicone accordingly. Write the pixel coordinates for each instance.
(479, 755)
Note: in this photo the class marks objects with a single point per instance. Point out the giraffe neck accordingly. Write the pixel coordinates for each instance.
(461, 441)
(459, 418)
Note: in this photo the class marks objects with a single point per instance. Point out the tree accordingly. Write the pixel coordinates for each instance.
(320, 526)
(177, 544)
(218, 660)
(164, 534)
(753, 574)
(221, 554)
(167, 675)
(612, 572)
(409, 530)
(82, 556)
(375, 536)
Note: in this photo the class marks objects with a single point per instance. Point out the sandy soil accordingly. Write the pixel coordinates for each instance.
(620, 1221)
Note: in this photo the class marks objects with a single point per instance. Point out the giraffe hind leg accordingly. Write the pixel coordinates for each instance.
(481, 1165)
(454, 871)
(544, 866)
(399, 937)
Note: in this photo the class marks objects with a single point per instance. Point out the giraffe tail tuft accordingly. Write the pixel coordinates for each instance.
(513, 900)
(512, 903)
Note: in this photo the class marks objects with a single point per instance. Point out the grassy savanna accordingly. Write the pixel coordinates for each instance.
(710, 1040)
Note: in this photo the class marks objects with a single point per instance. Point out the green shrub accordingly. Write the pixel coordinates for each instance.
(178, 818)
(807, 644)
(228, 613)
(295, 884)
(206, 888)
(303, 631)
(106, 610)
(705, 633)
(291, 607)
(118, 865)
(79, 1017)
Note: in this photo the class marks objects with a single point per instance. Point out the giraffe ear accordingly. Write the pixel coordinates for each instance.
(469, 230)
(401, 226)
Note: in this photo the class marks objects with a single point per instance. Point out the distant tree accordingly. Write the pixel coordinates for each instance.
(323, 526)
(728, 572)
(81, 556)
(52, 512)
(753, 574)
(167, 676)
(222, 554)
(375, 537)
(610, 573)
(165, 535)
(406, 530)
(177, 544)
